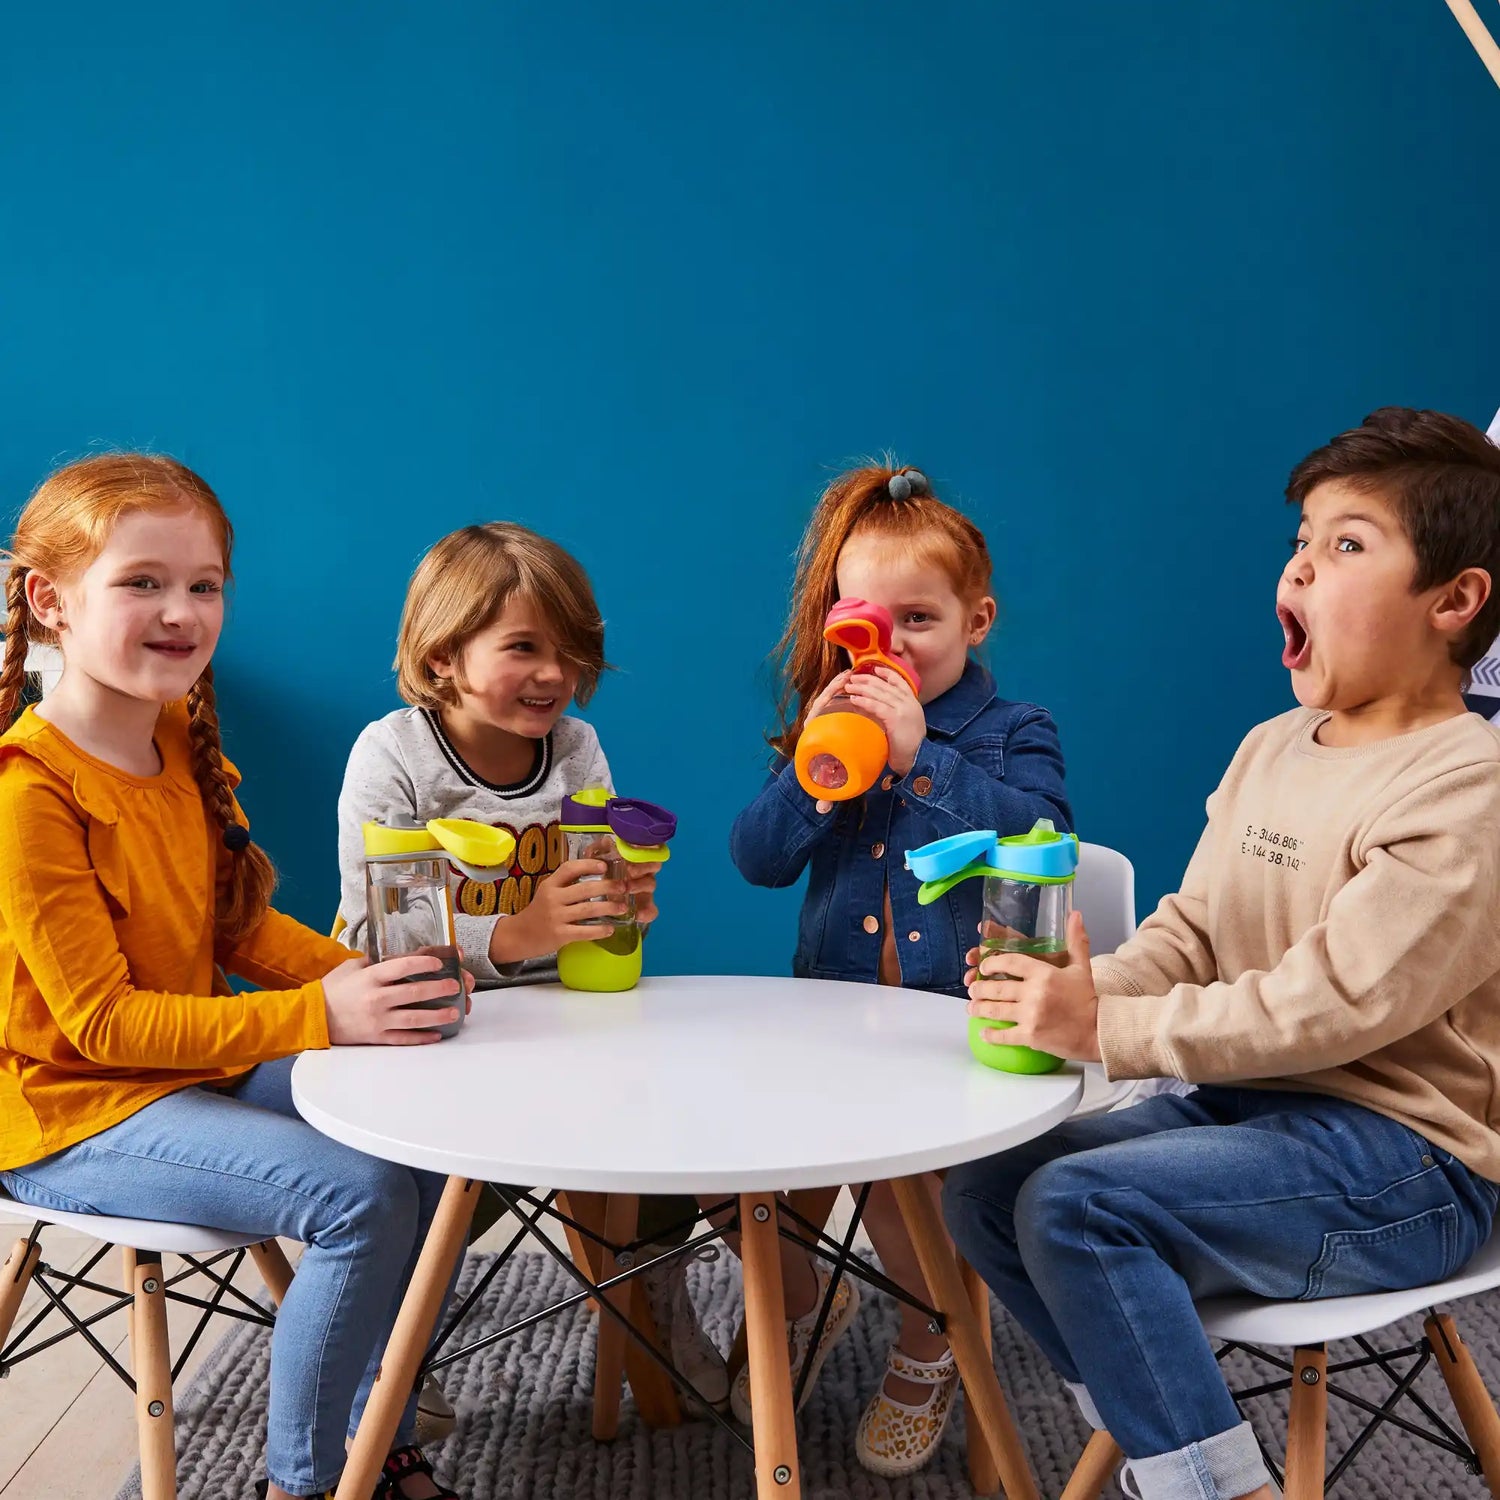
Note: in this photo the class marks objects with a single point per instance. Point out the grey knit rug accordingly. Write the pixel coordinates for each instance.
(524, 1411)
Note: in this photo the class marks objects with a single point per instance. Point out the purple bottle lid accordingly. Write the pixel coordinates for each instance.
(643, 824)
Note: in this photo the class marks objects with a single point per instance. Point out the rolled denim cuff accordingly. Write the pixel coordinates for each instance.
(1222, 1467)
(1080, 1393)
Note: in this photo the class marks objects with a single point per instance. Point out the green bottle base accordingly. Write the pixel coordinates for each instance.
(1007, 1059)
(607, 966)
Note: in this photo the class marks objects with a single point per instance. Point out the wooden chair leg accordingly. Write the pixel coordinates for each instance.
(275, 1270)
(777, 1471)
(15, 1277)
(151, 1365)
(986, 1404)
(1307, 1424)
(655, 1395)
(656, 1399)
(739, 1352)
(1101, 1457)
(1475, 1406)
(984, 1473)
(409, 1339)
(815, 1205)
(620, 1216)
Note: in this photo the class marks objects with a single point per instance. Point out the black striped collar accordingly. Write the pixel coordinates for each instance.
(541, 766)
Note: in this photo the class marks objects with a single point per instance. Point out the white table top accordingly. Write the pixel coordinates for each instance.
(685, 1084)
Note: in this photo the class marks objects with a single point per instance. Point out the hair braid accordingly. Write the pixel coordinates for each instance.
(17, 640)
(252, 878)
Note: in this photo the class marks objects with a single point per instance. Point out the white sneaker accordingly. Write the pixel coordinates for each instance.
(435, 1419)
(799, 1334)
(676, 1319)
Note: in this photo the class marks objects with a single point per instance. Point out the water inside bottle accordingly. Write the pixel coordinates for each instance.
(451, 970)
(602, 846)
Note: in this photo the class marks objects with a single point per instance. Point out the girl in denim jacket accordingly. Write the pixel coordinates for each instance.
(961, 757)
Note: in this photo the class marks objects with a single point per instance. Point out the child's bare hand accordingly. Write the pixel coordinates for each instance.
(560, 912)
(642, 885)
(887, 697)
(832, 691)
(1054, 1009)
(371, 1004)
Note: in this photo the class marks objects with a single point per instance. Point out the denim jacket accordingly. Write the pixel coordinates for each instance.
(986, 763)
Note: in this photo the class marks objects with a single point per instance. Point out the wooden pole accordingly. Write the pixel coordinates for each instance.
(986, 1404)
(777, 1472)
(1101, 1457)
(409, 1339)
(1476, 1408)
(151, 1364)
(1307, 1424)
(1476, 31)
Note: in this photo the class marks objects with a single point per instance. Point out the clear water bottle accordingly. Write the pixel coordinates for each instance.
(409, 897)
(1028, 898)
(621, 832)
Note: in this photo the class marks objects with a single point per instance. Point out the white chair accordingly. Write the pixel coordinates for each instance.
(1251, 1323)
(143, 1299)
(1104, 891)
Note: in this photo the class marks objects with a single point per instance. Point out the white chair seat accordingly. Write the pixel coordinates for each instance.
(1253, 1320)
(135, 1234)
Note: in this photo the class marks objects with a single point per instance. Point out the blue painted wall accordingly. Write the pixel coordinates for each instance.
(643, 277)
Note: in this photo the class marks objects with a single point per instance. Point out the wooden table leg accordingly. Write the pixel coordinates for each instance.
(777, 1473)
(986, 1404)
(409, 1339)
(151, 1364)
(815, 1205)
(984, 1472)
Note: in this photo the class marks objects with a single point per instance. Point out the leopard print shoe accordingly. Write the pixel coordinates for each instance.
(894, 1438)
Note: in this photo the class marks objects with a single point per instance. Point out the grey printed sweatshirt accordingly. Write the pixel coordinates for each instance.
(405, 766)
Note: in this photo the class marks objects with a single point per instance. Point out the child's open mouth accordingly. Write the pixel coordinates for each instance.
(179, 650)
(1298, 646)
(539, 705)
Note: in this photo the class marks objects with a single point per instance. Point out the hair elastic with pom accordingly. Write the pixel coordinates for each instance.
(904, 486)
(236, 837)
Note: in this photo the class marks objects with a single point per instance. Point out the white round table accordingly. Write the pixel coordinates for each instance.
(691, 1085)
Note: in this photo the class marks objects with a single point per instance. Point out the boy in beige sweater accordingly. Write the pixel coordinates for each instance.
(1329, 974)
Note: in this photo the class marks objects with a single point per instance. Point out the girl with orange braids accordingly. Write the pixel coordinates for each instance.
(132, 1081)
(961, 757)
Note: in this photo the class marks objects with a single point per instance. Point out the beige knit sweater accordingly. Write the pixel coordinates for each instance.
(1338, 930)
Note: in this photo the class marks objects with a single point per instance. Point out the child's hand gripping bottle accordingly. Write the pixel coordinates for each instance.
(842, 751)
(1028, 897)
(408, 892)
(622, 833)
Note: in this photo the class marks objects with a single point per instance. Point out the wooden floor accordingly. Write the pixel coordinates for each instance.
(67, 1424)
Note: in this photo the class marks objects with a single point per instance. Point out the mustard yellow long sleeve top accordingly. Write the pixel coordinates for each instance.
(112, 990)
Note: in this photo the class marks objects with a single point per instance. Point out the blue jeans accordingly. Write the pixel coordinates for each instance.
(242, 1159)
(1099, 1235)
